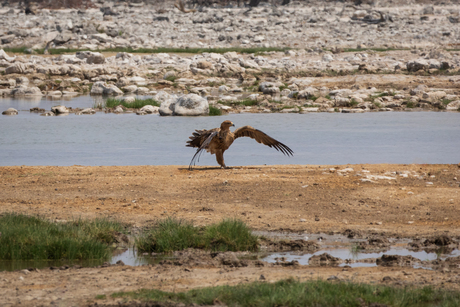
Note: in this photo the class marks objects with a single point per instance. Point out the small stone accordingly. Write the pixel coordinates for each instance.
(302, 220)
(262, 277)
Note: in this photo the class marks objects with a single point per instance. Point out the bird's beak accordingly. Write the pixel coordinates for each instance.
(233, 124)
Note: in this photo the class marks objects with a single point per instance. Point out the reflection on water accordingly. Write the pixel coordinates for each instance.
(348, 253)
(127, 256)
(128, 139)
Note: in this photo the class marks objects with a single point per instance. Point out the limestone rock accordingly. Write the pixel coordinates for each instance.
(167, 106)
(91, 57)
(191, 105)
(454, 105)
(10, 111)
(86, 111)
(102, 88)
(20, 68)
(4, 56)
(149, 109)
(24, 90)
(59, 110)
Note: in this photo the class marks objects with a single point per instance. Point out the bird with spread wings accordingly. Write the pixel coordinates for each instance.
(218, 140)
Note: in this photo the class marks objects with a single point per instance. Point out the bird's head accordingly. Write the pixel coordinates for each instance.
(227, 124)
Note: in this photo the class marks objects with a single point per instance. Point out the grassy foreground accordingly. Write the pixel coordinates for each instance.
(294, 293)
(172, 234)
(26, 238)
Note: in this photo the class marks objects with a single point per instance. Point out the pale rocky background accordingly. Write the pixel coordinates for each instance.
(314, 74)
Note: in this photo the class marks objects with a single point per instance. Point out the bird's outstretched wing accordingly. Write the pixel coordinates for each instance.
(204, 145)
(262, 138)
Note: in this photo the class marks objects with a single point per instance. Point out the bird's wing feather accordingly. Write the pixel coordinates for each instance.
(262, 138)
(203, 146)
(199, 136)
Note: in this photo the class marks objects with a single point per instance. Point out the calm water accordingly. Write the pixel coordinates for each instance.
(129, 139)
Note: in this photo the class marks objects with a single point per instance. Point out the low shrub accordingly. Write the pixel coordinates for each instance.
(27, 237)
(172, 234)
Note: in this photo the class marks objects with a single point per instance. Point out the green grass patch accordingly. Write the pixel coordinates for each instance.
(32, 238)
(213, 111)
(294, 293)
(373, 49)
(255, 50)
(172, 234)
(137, 104)
(230, 235)
(245, 102)
(171, 78)
(383, 94)
(101, 297)
(446, 101)
(410, 105)
(353, 103)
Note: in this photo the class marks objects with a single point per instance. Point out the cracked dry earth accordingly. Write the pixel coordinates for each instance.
(390, 201)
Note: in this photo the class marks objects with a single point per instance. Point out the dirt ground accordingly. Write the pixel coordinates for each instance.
(389, 201)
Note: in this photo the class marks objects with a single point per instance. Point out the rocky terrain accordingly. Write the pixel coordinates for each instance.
(310, 205)
(325, 57)
(338, 58)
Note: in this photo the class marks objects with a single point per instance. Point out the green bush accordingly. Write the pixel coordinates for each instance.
(230, 235)
(172, 234)
(169, 235)
(26, 238)
(213, 111)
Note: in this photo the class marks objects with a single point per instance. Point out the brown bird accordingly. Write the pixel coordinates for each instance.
(218, 140)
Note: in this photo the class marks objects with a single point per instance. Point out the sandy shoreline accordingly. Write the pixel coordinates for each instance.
(388, 200)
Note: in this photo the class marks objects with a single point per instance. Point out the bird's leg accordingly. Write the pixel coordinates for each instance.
(220, 158)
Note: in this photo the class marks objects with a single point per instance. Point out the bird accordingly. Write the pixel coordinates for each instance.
(218, 140)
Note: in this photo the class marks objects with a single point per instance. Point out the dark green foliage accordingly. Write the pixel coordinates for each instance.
(230, 235)
(245, 102)
(294, 293)
(256, 50)
(171, 78)
(26, 238)
(137, 104)
(169, 235)
(352, 103)
(213, 111)
(172, 234)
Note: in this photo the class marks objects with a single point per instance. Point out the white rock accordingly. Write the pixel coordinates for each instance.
(191, 105)
(102, 88)
(23, 90)
(129, 88)
(10, 111)
(149, 109)
(59, 110)
(4, 56)
(454, 105)
(86, 111)
(128, 99)
(91, 57)
(142, 90)
(167, 105)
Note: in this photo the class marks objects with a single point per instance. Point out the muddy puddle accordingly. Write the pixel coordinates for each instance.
(303, 249)
(352, 258)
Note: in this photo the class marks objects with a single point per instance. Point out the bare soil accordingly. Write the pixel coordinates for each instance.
(388, 201)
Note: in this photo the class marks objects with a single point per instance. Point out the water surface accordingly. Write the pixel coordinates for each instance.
(129, 139)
